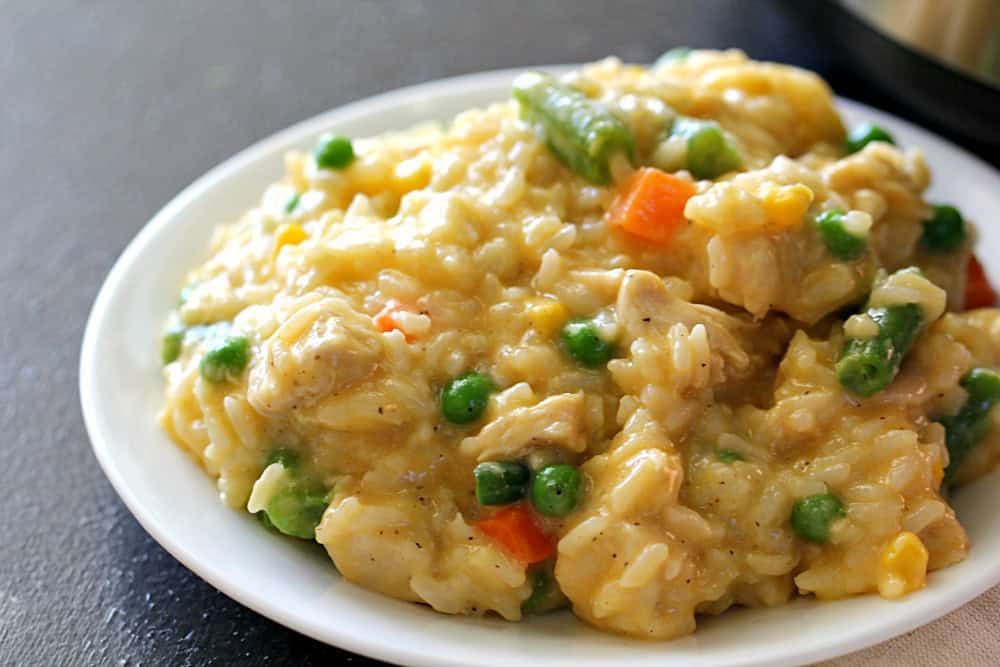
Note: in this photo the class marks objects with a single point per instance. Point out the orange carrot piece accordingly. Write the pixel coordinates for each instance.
(978, 291)
(515, 528)
(651, 205)
(385, 319)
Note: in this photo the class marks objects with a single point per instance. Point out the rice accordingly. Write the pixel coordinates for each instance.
(718, 412)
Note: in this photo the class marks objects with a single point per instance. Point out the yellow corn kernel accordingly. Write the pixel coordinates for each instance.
(903, 566)
(785, 205)
(546, 315)
(288, 234)
(937, 473)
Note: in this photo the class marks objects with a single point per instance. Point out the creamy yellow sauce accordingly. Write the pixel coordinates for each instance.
(726, 340)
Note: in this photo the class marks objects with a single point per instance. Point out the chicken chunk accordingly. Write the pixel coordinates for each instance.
(320, 349)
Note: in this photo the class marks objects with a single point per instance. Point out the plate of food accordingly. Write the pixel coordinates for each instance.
(537, 365)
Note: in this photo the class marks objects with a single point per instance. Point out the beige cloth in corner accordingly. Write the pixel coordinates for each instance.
(967, 637)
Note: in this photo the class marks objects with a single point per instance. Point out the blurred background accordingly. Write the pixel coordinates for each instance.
(110, 108)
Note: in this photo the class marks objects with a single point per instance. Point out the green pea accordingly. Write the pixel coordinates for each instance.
(862, 135)
(173, 340)
(709, 154)
(225, 360)
(545, 592)
(555, 491)
(334, 152)
(264, 521)
(464, 399)
(585, 345)
(841, 243)
(293, 202)
(674, 55)
(297, 511)
(812, 516)
(286, 456)
(944, 231)
(729, 455)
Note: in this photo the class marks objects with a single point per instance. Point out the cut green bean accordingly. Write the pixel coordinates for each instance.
(812, 516)
(226, 360)
(838, 239)
(862, 135)
(580, 131)
(944, 231)
(501, 482)
(868, 366)
(967, 429)
(709, 153)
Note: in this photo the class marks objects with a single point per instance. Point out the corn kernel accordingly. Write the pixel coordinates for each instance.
(546, 315)
(785, 205)
(903, 566)
(288, 234)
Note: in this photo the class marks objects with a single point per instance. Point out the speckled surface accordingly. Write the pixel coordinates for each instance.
(108, 110)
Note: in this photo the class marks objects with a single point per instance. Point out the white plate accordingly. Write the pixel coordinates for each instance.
(294, 584)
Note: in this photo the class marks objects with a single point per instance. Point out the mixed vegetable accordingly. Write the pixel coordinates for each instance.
(813, 515)
(579, 131)
(844, 236)
(286, 498)
(966, 429)
(864, 134)
(464, 399)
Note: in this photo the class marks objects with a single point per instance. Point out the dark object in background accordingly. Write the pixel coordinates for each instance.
(964, 102)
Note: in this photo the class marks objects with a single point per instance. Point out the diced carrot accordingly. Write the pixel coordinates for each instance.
(515, 528)
(385, 319)
(978, 291)
(651, 205)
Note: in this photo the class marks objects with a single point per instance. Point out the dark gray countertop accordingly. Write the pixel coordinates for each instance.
(111, 108)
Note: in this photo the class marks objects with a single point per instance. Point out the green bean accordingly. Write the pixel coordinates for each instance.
(944, 231)
(865, 133)
(967, 429)
(226, 360)
(709, 153)
(868, 366)
(674, 55)
(812, 516)
(584, 344)
(578, 130)
(841, 243)
(555, 490)
(501, 482)
(464, 399)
